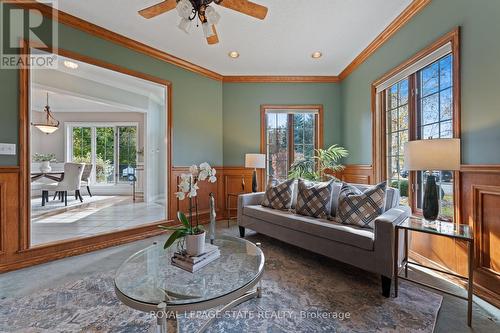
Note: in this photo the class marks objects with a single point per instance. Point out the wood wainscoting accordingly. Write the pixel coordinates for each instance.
(229, 180)
(356, 173)
(480, 208)
(14, 254)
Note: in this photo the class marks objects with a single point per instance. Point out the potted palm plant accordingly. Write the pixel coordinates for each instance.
(320, 166)
(189, 230)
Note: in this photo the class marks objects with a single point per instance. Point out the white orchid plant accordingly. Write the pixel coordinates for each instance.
(188, 188)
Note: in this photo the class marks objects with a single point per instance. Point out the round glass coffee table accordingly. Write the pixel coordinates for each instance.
(147, 281)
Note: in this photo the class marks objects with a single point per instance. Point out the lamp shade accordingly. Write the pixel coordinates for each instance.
(433, 154)
(257, 161)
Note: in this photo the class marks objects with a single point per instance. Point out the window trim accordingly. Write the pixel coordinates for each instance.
(266, 107)
(378, 117)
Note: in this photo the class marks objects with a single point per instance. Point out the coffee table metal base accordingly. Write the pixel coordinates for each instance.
(167, 322)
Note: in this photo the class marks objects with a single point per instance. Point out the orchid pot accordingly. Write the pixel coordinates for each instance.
(195, 244)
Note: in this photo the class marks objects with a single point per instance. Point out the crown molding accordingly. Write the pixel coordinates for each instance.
(67, 19)
(98, 31)
(413, 9)
(281, 79)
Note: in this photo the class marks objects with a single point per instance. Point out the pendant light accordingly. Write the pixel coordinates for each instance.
(51, 124)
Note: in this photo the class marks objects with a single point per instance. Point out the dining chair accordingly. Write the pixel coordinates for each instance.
(87, 170)
(71, 182)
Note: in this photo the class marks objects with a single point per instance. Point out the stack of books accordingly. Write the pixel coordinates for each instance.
(194, 263)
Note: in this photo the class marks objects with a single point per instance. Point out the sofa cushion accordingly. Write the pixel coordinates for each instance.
(279, 196)
(347, 234)
(314, 199)
(360, 208)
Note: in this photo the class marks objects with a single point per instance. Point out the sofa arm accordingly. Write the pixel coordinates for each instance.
(248, 199)
(384, 237)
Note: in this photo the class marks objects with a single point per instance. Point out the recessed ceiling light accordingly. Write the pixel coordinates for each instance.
(233, 54)
(316, 55)
(70, 64)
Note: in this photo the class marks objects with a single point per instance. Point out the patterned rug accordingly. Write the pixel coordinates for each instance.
(303, 292)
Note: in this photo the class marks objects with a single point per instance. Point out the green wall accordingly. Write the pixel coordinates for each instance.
(480, 52)
(197, 100)
(241, 112)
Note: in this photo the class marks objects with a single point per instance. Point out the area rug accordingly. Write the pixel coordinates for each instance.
(303, 292)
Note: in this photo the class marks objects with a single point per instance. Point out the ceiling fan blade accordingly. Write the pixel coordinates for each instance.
(158, 9)
(245, 7)
(213, 39)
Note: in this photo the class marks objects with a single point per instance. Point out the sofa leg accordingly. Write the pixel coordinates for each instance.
(386, 286)
(242, 232)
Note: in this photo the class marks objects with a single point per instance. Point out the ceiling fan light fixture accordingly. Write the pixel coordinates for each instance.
(207, 30)
(212, 16)
(184, 25)
(184, 8)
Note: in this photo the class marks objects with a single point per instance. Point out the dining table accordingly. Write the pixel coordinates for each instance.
(52, 175)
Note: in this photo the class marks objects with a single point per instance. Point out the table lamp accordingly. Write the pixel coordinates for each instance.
(430, 155)
(255, 161)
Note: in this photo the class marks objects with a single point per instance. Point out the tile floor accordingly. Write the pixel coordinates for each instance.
(100, 215)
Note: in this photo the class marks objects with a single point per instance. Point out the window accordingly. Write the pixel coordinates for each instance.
(418, 103)
(111, 149)
(289, 133)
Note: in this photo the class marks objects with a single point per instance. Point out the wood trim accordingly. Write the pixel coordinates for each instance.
(480, 168)
(453, 36)
(76, 246)
(413, 9)
(319, 129)
(98, 31)
(72, 21)
(378, 111)
(3, 216)
(281, 79)
(24, 152)
(25, 255)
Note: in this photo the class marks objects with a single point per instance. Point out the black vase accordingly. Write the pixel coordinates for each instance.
(254, 181)
(430, 205)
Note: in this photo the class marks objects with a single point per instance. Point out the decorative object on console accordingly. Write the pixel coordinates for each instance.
(193, 234)
(190, 10)
(314, 199)
(255, 161)
(45, 160)
(51, 124)
(320, 166)
(361, 208)
(213, 215)
(279, 196)
(430, 155)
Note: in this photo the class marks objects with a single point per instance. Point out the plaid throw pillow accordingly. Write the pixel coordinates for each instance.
(279, 196)
(361, 208)
(314, 199)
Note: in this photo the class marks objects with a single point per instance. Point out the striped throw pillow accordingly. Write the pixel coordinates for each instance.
(279, 196)
(361, 208)
(314, 199)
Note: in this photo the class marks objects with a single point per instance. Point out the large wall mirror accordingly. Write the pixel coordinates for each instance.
(98, 151)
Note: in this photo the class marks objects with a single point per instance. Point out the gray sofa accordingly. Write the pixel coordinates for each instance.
(372, 250)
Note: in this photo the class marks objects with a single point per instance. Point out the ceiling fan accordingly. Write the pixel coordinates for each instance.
(189, 10)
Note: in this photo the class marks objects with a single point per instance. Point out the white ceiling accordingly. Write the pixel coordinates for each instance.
(90, 88)
(282, 44)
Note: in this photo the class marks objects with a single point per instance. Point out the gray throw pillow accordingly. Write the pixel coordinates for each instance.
(279, 196)
(361, 208)
(314, 199)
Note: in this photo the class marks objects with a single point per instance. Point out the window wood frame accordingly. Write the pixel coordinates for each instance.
(378, 101)
(318, 118)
